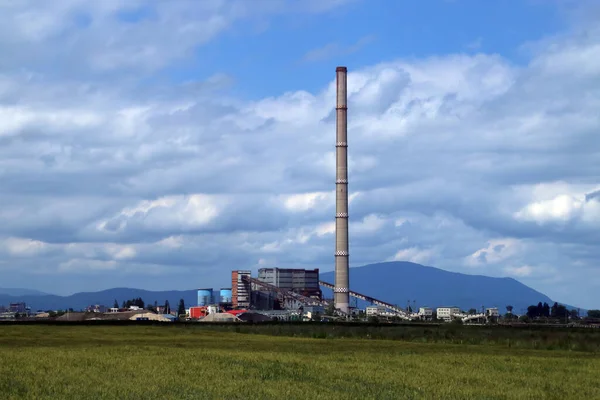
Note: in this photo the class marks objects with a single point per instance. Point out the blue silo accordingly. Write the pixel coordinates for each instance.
(225, 295)
(205, 297)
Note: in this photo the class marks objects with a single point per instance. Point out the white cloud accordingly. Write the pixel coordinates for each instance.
(559, 202)
(303, 202)
(23, 247)
(522, 271)
(306, 201)
(414, 254)
(122, 252)
(496, 251)
(171, 213)
(370, 224)
(561, 208)
(292, 238)
(173, 242)
(325, 229)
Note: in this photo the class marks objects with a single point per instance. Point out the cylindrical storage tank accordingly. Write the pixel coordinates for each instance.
(205, 297)
(225, 295)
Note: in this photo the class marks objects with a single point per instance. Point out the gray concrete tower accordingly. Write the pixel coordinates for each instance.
(341, 297)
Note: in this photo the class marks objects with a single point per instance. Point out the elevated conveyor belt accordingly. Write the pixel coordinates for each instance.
(466, 318)
(287, 294)
(401, 313)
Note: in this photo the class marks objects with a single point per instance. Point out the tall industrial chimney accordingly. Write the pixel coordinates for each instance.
(341, 297)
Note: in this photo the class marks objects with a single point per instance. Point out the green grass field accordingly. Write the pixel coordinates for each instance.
(145, 362)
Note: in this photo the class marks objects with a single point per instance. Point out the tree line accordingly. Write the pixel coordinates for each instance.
(544, 310)
(154, 308)
(557, 311)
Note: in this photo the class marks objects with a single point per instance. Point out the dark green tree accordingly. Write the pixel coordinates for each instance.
(546, 310)
(593, 313)
(472, 311)
(533, 311)
(510, 316)
(553, 310)
(116, 305)
(509, 309)
(167, 307)
(540, 310)
(559, 311)
(134, 302)
(181, 308)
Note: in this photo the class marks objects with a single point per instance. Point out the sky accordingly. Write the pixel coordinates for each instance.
(160, 145)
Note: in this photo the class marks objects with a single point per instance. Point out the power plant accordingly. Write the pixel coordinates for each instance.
(285, 293)
(342, 266)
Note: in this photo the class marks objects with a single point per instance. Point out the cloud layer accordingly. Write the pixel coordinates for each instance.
(466, 162)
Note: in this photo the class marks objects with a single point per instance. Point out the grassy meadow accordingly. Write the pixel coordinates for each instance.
(178, 362)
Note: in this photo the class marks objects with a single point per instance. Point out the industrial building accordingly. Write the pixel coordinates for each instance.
(301, 281)
(425, 313)
(18, 307)
(283, 315)
(447, 313)
(240, 289)
(264, 300)
(373, 311)
(492, 312)
(275, 289)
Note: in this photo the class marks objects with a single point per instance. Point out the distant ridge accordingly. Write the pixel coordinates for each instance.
(107, 298)
(21, 292)
(399, 281)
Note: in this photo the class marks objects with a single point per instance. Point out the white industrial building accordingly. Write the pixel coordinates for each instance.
(380, 311)
(447, 313)
(492, 312)
(372, 311)
(425, 312)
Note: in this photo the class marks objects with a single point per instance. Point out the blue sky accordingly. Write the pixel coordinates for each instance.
(298, 52)
(161, 144)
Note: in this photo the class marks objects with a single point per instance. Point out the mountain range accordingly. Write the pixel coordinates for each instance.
(107, 298)
(395, 282)
(21, 292)
(398, 282)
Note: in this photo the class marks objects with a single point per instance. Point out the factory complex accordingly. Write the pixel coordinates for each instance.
(284, 294)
